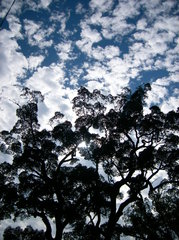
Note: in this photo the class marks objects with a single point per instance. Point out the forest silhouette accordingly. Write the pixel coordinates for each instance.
(113, 173)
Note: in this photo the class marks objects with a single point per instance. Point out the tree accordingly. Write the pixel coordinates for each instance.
(156, 220)
(126, 150)
(27, 234)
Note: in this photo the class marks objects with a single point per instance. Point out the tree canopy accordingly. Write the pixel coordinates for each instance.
(113, 173)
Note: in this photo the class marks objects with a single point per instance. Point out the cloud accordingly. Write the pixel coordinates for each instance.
(170, 104)
(115, 23)
(46, 78)
(113, 75)
(15, 10)
(15, 27)
(108, 52)
(13, 64)
(111, 26)
(35, 61)
(164, 94)
(51, 81)
(158, 93)
(152, 46)
(80, 9)
(141, 24)
(64, 50)
(101, 5)
(59, 20)
(9, 100)
(89, 36)
(117, 41)
(146, 30)
(37, 34)
(45, 3)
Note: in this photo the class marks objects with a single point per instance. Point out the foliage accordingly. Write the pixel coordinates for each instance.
(122, 178)
(27, 234)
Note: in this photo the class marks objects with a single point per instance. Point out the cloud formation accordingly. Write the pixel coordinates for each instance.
(100, 44)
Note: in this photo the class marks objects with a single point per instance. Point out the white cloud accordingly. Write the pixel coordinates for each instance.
(126, 9)
(156, 42)
(151, 46)
(170, 104)
(35, 61)
(160, 93)
(5, 5)
(157, 93)
(111, 26)
(31, 27)
(113, 75)
(88, 38)
(101, 5)
(50, 81)
(15, 26)
(46, 78)
(108, 52)
(45, 3)
(64, 50)
(38, 35)
(141, 24)
(13, 64)
(9, 100)
(59, 21)
(167, 24)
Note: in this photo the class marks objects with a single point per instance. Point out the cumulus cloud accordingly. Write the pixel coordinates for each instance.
(13, 63)
(116, 43)
(101, 5)
(108, 52)
(37, 35)
(88, 38)
(152, 45)
(50, 81)
(64, 50)
(46, 78)
(35, 61)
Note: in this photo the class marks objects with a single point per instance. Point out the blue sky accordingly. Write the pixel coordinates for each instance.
(56, 46)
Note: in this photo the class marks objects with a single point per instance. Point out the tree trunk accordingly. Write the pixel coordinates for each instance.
(48, 232)
(59, 233)
(59, 227)
(110, 228)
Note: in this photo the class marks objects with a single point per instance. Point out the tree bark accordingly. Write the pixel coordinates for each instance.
(114, 217)
(48, 232)
(59, 227)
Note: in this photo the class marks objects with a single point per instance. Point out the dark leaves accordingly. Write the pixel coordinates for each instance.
(123, 154)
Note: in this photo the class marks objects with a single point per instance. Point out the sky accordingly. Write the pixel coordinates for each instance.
(56, 46)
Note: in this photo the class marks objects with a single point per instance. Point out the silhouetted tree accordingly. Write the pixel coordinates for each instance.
(133, 159)
(154, 218)
(19, 234)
